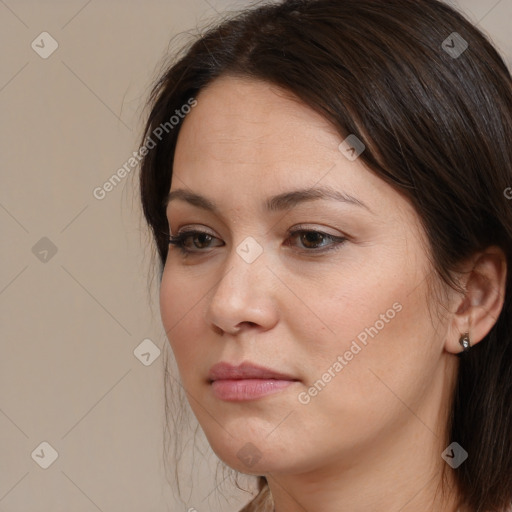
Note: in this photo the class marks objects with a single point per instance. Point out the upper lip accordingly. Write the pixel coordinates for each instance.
(246, 370)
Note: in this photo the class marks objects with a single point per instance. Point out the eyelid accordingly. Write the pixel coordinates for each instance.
(298, 227)
(316, 228)
(191, 227)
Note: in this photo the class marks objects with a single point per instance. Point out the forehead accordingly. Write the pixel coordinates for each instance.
(247, 140)
(244, 131)
(243, 121)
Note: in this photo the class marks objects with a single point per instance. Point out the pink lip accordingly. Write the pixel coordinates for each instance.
(246, 381)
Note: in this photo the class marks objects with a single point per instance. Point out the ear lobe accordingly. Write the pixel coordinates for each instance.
(480, 306)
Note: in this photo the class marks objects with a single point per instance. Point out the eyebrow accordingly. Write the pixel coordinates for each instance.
(280, 202)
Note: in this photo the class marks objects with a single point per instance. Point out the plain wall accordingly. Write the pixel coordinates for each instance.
(74, 296)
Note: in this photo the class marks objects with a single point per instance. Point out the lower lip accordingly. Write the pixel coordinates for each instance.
(247, 389)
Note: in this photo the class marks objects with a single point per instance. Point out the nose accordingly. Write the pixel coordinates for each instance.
(244, 297)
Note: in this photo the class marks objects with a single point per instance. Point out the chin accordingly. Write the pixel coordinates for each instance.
(252, 454)
(250, 461)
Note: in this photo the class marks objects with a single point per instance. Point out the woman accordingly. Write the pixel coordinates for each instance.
(326, 182)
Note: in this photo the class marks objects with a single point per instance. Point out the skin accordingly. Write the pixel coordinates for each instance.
(372, 438)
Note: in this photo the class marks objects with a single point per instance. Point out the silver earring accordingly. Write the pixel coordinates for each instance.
(465, 342)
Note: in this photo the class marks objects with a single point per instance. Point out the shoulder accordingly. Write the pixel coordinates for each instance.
(262, 502)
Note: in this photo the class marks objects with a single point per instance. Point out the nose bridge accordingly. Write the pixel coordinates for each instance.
(242, 293)
(244, 270)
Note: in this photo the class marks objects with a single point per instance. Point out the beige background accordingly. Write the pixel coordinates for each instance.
(70, 321)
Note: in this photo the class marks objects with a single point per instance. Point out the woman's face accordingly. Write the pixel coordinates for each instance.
(339, 309)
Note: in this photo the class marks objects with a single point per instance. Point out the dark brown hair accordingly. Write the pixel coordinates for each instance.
(437, 126)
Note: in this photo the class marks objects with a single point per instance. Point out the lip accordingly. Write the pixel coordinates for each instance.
(246, 370)
(246, 381)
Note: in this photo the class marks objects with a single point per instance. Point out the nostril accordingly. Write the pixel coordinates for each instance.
(218, 330)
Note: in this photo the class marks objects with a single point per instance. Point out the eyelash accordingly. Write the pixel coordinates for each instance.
(179, 241)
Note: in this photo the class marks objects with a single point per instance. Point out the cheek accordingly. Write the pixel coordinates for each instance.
(378, 361)
(376, 320)
(376, 295)
(180, 308)
(353, 301)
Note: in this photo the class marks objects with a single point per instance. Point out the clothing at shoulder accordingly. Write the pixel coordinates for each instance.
(261, 503)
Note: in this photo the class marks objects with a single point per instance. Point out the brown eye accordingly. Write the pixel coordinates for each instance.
(311, 240)
(203, 238)
(199, 241)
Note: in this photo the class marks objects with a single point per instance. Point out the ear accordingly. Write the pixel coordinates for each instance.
(484, 279)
